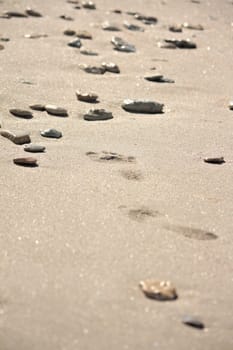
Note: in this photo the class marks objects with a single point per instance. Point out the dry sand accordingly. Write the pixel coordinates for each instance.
(72, 250)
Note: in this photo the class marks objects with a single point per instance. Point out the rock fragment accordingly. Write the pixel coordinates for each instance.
(21, 113)
(158, 290)
(2, 47)
(19, 138)
(111, 67)
(118, 11)
(75, 43)
(66, 18)
(38, 107)
(133, 27)
(193, 322)
(92, 69)
(55, 110)
(181, 44)
(51, 133)
(142, 106)
(87, 52)
(33, 148)
(35, 36)
(88, 5)
(110, 27)
(175, 28)
(97, 114)
(87, 97)
(83, 34)
(146, 19)
(159, 79)
(121, 45)
(26, 161)
(30, 12)
(215, 160)
(191, 26)
(15, 14)
(69, 32)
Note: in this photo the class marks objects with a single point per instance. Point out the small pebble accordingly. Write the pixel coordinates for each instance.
(88, 5)
(118, 11)
(19, 138)
(38, 107)
(88, 52)
(87, 97)
(66, 18)
(215, 160)
(110, 27)
(133, 27)
(142, 106)
(58, 111)
(146, 19)
(92, 69)
(193, 322)
(181, 44)
(52, 133)
(175, 28)
(26, 161)
(159, 79)
(21, 113)
(1, 47)
(158, 290)
(35, 36)
(15, 14)
(121, 45)
(75, 43)
(187, 25)
(111, 67)
(5, 39)
(83, 34)
(33, 13)
(69, 32)
(97, 114)
(34, 148)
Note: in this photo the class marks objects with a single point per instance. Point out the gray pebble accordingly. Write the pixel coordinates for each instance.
(133, 27)
(34, 148)
(57, 111)
(97, 114)
(92, 69)
(87, 97)
(88, 52)
(231, 105)
(110, 27)
(121, 45)
(21, 113)
(111, 67)
(159, 79)
(193, 322)
(142, 106)
(75, 43)
(181, 44)
(52, 133)
(88, 5)
(33, 13)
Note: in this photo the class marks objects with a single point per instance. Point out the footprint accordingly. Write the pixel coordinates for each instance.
(193, 233)
(109, 157)
(129, 174)
(142, 213)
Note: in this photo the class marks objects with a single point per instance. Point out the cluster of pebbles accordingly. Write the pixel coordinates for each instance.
(153, 289)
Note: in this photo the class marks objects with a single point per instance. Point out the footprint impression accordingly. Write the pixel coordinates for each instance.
(109, 157)
(192, 233)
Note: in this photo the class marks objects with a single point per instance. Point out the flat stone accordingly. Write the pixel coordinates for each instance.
(87, 97)
(21, 113)
(69, 32)
(34, 148)
(88, 5)
(146, 19)
(75, 43)
(92, 69)
(52, 133)
(191, 26)
(121, 45)
(19, 138)
(133, 27)
(175, 28)
(165, 45)
(231, 105)
(159, 79)
(35, 36)
(15, 14)
(83, 34)
(111, 67)
(57, 111)
(118, 11)
(30, 12)
(158, 290)
(97, 114)
(215, 160)
(66, 18)
(142, 106)
(181, 44)
(38, 107)
(193, 322)
(26, 161)
(87, 52)
(110, 27)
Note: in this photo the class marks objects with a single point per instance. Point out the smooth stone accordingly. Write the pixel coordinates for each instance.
(88, 5)
(142, 106)
(118, 11)
(35, 36)
(92, 69)
(159, 79)
(158, 290)
(5, 39)
(58, 111)
(87, 97)
(38, 107)
(175, 28)
(111, 27)
(193, 322)
(187, 25)
(19, 138)
(52, 133)
(182, 44)
(34, 148)
(166, 45)
(83, 34)
(67, 18)
(111, 67)
(15, 14)
(26, 161)
(69, 32)
(214, 160)
(75, 43)
(21, 113)
(133, 27)
(121, 45)
(88, 52)
(30, 12)
(146, 19)
(97, 114)
(231, 105)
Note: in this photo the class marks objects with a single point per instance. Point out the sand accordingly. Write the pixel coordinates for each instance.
(77, 235)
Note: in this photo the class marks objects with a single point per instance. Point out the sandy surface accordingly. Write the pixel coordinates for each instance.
(72, 255)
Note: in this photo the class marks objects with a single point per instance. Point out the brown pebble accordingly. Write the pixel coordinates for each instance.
(38, 107)
(86, 97)
(215, 160)
(83, 34)
(21, 113)
(26, 161)
(158, 290)
(69, 32)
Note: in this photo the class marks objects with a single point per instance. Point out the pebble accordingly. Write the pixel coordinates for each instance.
(133, 27)
(67, 18)
(38, 107)
(88, 5)
(83, 34)
(111, 67)
(158, 290)
(142, 106)
(121, 45)
(33, 13)
(19, 138)
(87, 97)
(52, 133)
(21, 113)
(146, 19)
(111, 27)
(34, 148)
(97, 114)
(58, 111)
(193, 322)
(73, 1)
(26, 161)
(1, 47)
(92, 69)
(75, 43)
(215, 160)
(5, 39)
(88, 52)
(187, 25)
(166, 45)
(159, 79)
(35, 36)
(118, 11)
(15, 14)
(175, 28)
(231, 105)
(69, 32)
(181, 44)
